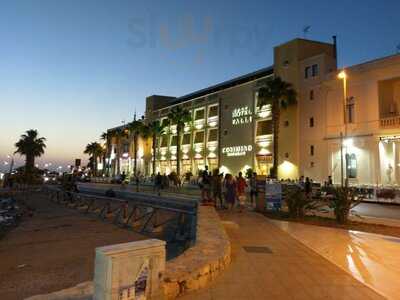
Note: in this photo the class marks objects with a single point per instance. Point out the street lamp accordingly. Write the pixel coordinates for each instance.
(343, 76)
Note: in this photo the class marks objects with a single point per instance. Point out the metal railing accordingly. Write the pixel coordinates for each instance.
(168, 219)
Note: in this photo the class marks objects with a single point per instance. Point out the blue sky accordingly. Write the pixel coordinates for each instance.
(73, 68)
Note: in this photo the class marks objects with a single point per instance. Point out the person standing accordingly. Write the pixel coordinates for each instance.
(216, 187)
(253, 189)
(308, 187)
(205, 185)
(158, 183)
(230, 191)
(241, 191)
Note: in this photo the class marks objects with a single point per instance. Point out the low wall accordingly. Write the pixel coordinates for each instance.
(192, 270)
(200, 264)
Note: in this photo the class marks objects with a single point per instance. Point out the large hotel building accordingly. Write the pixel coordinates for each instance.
(232, 131)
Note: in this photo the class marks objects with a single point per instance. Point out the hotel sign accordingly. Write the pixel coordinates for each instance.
(240, 150)
(241, 115)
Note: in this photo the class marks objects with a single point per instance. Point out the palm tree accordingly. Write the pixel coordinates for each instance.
(95, 150)
(31, 146)
(119, 134)
(136, 129)
(106, 137)
(155, 130)
(179, 116)
(279, 94)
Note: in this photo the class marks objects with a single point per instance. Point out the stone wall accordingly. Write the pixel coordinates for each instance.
(192, 270)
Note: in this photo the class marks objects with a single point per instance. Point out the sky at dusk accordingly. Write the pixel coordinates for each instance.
(71, 69)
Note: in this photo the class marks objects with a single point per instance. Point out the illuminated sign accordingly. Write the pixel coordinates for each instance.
(241, 115)
(237, 150)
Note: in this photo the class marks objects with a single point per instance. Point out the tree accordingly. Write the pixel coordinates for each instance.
(119, 134)
(155, 129)
(31, 146)
(179, 116)
(279, 94)
(106, 137)
(95, 150)
(136, 129)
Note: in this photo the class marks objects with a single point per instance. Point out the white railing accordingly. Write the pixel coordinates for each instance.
(390, 122)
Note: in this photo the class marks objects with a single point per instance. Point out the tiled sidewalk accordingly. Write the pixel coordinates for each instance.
(289, 271)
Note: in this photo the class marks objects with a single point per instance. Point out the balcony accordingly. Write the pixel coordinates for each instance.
(390, 122)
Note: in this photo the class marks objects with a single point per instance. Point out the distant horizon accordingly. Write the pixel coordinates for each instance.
(73, 69)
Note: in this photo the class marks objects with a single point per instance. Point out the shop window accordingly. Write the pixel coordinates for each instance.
(186, 139)
(213, 135)
(311, 122)
(213, 111)
(174, 140)
(264, 127)
(312, 150)
(351, 165)
(199, 137)
(199, 114)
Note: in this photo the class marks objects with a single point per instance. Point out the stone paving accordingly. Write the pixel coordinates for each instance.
(286, 269)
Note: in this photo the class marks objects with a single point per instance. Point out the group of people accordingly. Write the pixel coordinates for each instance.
(226, 191)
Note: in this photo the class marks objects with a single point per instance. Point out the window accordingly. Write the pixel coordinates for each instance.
(174, 140)
(351, 165)
(186, 139)
(164, 141)
(261, 102)
(350, 110)
(213, 135)
(311, 122)
(286, 123)
(311, 95)
(264, 127)
(213, 111)
(315, 70)
(311, 71)
(125, 148)
(225, 132)
(199, 114)
(199, 137)
(164, 122)
(307, 72)
(312, 150)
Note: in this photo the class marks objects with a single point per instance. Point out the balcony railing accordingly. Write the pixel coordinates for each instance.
(390, 122)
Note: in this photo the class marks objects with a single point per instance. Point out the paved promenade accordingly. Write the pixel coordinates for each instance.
(284, 269)
(371, 258)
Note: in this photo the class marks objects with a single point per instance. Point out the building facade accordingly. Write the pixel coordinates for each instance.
(352, 121)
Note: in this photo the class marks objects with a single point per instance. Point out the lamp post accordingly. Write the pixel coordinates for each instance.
(342, 75)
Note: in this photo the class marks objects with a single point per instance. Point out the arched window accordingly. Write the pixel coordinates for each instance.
(351, 165)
